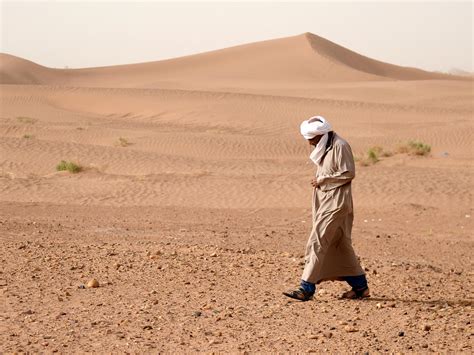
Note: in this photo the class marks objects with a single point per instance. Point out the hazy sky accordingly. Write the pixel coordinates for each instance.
(428, 35)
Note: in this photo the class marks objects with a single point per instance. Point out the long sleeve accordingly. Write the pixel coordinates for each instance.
(339, 170)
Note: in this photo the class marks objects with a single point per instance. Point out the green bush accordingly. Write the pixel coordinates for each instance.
(373, 155)
(68, 166)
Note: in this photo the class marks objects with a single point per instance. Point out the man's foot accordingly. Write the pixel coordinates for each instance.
(299, 294)
(356, 294)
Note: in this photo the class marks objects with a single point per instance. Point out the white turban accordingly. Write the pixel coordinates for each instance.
(315, 126)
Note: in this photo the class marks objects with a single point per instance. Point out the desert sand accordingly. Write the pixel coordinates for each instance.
(193, 206)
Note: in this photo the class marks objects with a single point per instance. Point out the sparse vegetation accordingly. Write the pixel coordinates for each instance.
(69, 166)
(374, 153)
(123, 142)
(372, 156)
(414, 148)
(24, 119)
(386, 153)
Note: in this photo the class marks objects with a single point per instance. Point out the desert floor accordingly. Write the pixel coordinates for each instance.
(193, 209)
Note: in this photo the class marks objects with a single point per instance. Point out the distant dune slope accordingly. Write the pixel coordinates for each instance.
(298, 60)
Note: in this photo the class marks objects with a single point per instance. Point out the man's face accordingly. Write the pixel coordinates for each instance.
(314, 141)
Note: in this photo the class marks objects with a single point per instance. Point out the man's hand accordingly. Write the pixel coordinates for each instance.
(314, 182)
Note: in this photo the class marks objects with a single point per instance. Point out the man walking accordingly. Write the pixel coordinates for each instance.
(329, 253)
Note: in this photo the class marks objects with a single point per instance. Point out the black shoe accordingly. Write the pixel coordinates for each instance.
(299, 294)
(356, 294)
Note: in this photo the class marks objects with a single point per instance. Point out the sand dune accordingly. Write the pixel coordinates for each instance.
(294, 61)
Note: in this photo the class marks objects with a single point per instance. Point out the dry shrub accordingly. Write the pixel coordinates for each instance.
(414, 148)
(24, 119)
(123, 142)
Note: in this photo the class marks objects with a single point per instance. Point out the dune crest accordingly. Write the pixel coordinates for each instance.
(358, 62)
(303, 60)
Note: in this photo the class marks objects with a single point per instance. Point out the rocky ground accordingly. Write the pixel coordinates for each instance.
(211, 280)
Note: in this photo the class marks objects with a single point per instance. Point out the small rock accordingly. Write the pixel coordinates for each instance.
(350, 329)
(197, 314)
(378, 305)
(313, 336)
(93, 283)
(401, 333)
(213, 255)
(327, 334)
(263, 334)
(426, 327)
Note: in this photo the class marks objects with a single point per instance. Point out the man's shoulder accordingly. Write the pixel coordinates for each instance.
(340, 142)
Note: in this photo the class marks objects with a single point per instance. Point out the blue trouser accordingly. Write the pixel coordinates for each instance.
(356, 282)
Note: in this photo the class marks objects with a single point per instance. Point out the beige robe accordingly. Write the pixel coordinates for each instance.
(329, 253)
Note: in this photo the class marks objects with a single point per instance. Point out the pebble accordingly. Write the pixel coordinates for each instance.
(350, 329)
(322, 292)
(378, 305)
(328, 334)
(93, 283)
(401, 333)
(263, 334)
(426, 327)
